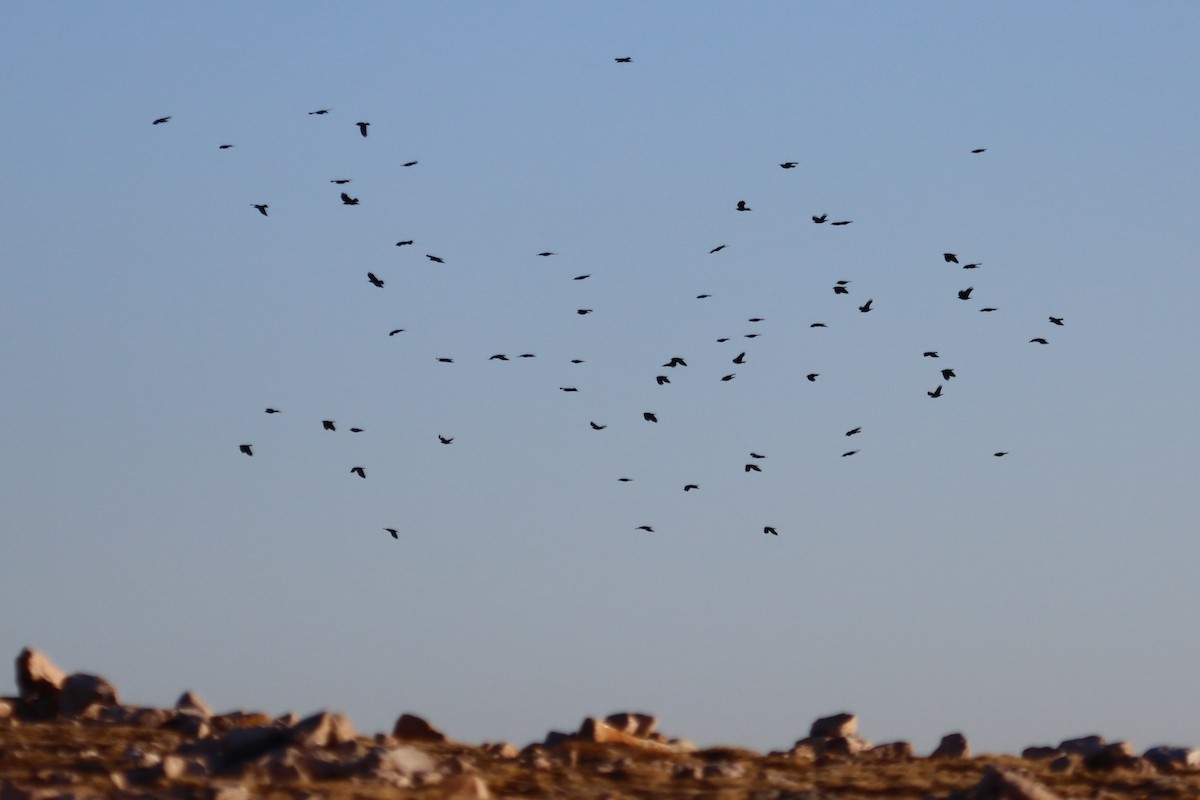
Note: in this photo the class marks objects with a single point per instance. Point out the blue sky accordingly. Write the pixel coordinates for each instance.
(148, 315)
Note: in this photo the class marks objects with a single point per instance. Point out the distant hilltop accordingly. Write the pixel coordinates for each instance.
(67, 736)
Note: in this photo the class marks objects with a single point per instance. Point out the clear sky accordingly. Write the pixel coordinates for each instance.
(149, 314)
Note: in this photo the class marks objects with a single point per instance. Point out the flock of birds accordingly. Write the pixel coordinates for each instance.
(840, 288)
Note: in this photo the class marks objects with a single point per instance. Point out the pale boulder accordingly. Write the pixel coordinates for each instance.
(191, 702)
(633, 723)
(322, 729)
(594, 730)
(39, 684)
(844, 724)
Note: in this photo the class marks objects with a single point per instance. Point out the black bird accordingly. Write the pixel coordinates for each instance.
(947, 374)
(1000, 453)
(840, 290)
(950, 258)
(740, 358)
(498, 357)
(728, 377)
(820, 218)
(374, 281)
(395, 533)
(842, 222)
(675, 361)
(690, 486)
(624, 480)
(356, 430)
(272, 410)
(624, 60)
(770, 530)
(581, 277)
(409, 164)
(359, 471)
(319, 111)
(965, 294)
(547, 253)
(445, 360)
(1057, 320)
(646, 528)
(930, 354)
(362, 128)
(755, 319)
(583, 311)
(703, 296)
(812, 376)
(757, 455)
(1039, 340)
(989, 308)
(567, 389)
(348, 200)
(849, 453)
(576, 360)
(341, 181)
(936, 392)
(445, 439)
(245, 448)
(752, 335)
(818, 325)
(741, 206)
(790, 164)
(435, 259)
(161, 120)
(262, 208)
(717, 249)
(398, 330)
(975, 265)
(753, 468)
(406, 241)
(725, 339)
(649, 416)
(853, 431)
(661, 379)
(328, 425)
(596, 427)
(979, 150)
(224, 146)
(527, 355)
(865, 307)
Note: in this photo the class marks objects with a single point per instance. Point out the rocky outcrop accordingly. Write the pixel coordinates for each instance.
(39, 685)
(843, 724)
(414, 728)
(1167, 758)
(1004, 784)
(953, 745)
(83, 691)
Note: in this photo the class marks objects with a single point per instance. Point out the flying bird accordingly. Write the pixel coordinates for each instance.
(865, 307)
(272, 410)
(328, 425)
(1057, 320)
(581, 277)
(435, 259)
(245, 448)
(853, 431)
(740, 358)
(989, 308)
(406, 241)
(840, 290)
(348, 200)
(362, 128)
(753, 468)
(770, 530)
(161, 120)
(624, 60)
(547, 253)
(755, 319)
(649, 416)
(498, 357)
(567, 389)
(624, 480)
(842, 222)
(818, 325)
(979, 150)
(661, 379)
(596, 427)
(752, 335)
(690, 486)
(356, 430)
(717, 249)
(819, 218)
(675, 361)
(374, 281)
(950, 258)
(583, 311)
(849, 453)
(359, 471)
(975, 265)
(445, 360)
(965, 294)
(409, 164)
(319, 111)
(224, 146)
(724, 339)
(757, 455)
(812, 376)
(947, 374)
(445, 439)
(936, 392)
(576, 360)
(930, 354)
(703, 296)
(741, 206)
(1000, 453)
(646, 528)
(527, 355)
(728, 377)
(397, 330)
(341, 181)
(1039, 340)
(395, 533)
(790, 164)
(262, 208)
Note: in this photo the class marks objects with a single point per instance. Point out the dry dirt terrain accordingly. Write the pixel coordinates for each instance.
(68, 736)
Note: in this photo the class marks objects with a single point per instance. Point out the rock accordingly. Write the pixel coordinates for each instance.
(322, 729)
(593, 730)
(396, 765)
(412, 727)
(282, 766)
(1111, 756)
(555, 738)
(1040, 753)
(241, 744)
(633, 723)
(1165, 757)
(723, 770)
(500, 750)
(1004, 784)
(849, 745)
(8, 707)
(189, 723)
(844, 724)
(1084, 745)
(1063, 763)
(190, 701)
(466, 787)
(891, 751)
(953, 745)
(39, 684)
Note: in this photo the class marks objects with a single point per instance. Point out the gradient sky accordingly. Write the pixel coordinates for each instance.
(148, 315)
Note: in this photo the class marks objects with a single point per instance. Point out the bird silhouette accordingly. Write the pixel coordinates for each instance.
(755, 319)
(359, 471)
(1039, 340)
(740, 358)
(703, 296)
(842, 222)
(741, 206)
(348, 200)
(979, 150)
(974, 265)
(819, 218)
(649, 416)
(356, 430)
(445, 439)
(853, 431)
(362, 128)
(724, 339)
(770, 530)
(849, 453)
(753, 468)
(583, 311)
(245, 448)
(394, 332)
(947, 374)
(319, 111)
(1057, 320)
(624, 60)
(646, 528)
(930, 354)
(596, 427)
(262, 208)
(965, 294)
(661, 379)
(717, 249)
(224, 146)
(728, 377)
(547, 253)
(840, 290)
(409, 164)
(818, 325)
(527, 355)
(675, 361)
(757, 455)
(435, 259)
(395, 533)
(950, 258)
(567, 389)
(498, 357)
(341, 181)
(328, 425)
(790, 164)
(576, 360)
(865, 307)
(688, 487)
(752, 335)
(624, 480)
(445, 360)
(936, 392)
(1000, 453)
(988, 309)
(812, 376)
(581, 277)
(406, 241)
(161, 120)
(374, 281)
(272, 410)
